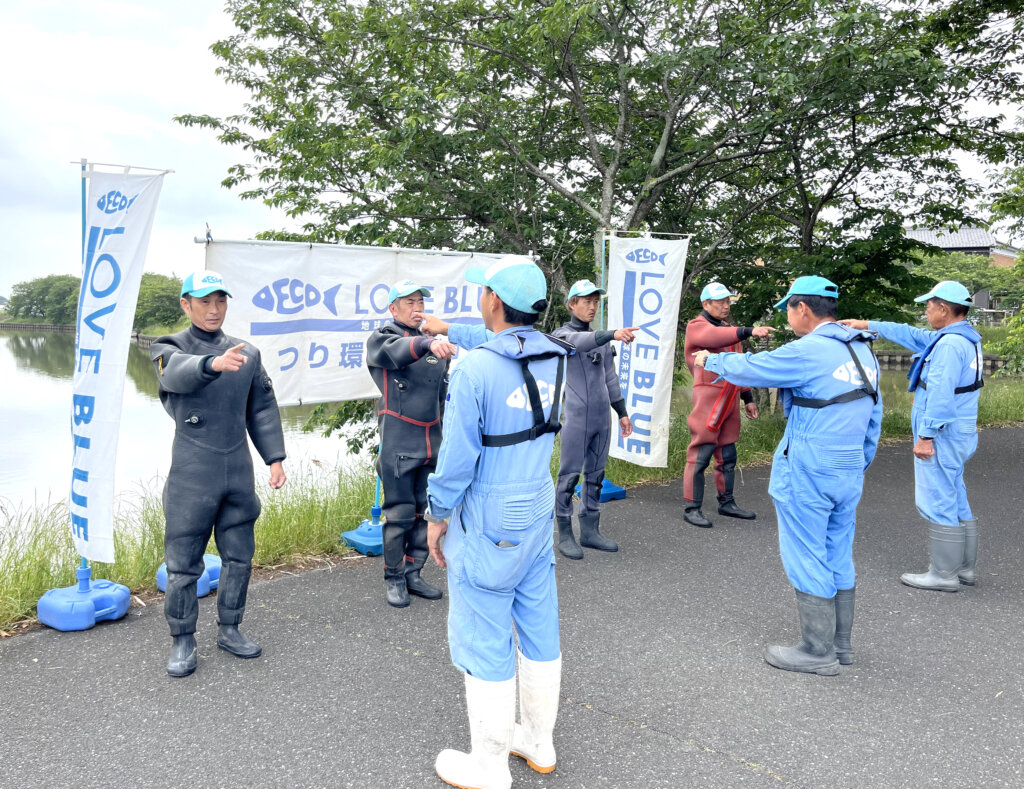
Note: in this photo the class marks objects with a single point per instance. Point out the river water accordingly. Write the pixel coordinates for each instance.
(35, 398)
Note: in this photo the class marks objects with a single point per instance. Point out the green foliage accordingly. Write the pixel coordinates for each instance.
(159, 301)
(976, 272)
(52, 299)
(353, 420)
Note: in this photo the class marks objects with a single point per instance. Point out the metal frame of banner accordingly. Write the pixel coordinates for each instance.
(614, 232)
(311, 244)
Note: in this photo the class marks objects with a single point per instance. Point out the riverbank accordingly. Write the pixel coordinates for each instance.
(305, 518)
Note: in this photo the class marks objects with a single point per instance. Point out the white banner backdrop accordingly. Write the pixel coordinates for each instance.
(645, 278)
(309, 308)
(118, 217)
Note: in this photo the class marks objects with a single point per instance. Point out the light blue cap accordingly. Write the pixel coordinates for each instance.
(203, 283)
(810, 286)
(584, 287)
(949, 290)
(404, 288)
(518, 281)
(714, 291)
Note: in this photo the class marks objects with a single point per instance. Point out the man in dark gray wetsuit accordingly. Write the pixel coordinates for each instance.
(592, 387)
(216, 389)
(410, 370)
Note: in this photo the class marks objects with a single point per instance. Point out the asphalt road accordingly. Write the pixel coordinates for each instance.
(664, 684)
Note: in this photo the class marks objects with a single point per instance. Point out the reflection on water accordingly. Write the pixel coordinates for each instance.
(35, 395)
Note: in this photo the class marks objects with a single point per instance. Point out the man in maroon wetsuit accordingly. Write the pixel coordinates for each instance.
(715, 419)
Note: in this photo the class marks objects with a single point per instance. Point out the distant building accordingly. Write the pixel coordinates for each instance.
(970, 241)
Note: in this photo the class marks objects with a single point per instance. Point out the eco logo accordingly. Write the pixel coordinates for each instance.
(114, 201)
(645, 255)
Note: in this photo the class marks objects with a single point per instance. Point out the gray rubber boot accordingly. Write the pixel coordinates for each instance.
(396, 590)
(968, 575)
(816, 654)
(946, 544)
(844, 625)
(567, 545)
(590, 534)
(184, 657)
(231, 639)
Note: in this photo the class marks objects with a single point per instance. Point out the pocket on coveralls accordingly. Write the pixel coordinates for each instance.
(497, 557)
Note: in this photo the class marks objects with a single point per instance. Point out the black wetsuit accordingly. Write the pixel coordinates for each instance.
(413, 384)
(210, 488)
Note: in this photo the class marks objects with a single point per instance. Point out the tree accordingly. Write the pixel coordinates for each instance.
(53, 299)
(159, 301)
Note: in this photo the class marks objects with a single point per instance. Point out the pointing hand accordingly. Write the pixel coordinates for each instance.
(231, 360)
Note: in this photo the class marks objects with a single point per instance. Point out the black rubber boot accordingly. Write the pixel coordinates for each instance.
(968, 573)
(816, 654)
(396, 590)
(567, 545)
(844, 625)
(726, 502)
(590, 534)
(946, 544)
(416, 557)
(230, 639)
(727, 506)
(184, 656)
(695, 517)
(692, 513)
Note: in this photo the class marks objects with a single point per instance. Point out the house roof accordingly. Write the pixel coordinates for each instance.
(964, 238)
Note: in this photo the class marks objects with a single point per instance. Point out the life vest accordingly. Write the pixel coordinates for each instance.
(866, 389)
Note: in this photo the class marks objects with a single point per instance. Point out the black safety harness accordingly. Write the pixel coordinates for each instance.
(541, 423)
(865, 390)
(974, 387)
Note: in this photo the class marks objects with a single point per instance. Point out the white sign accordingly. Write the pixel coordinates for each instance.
(310, 307)
(645, 278)
(118, 217)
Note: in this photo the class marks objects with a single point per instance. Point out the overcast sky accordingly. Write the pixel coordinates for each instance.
(102, 80)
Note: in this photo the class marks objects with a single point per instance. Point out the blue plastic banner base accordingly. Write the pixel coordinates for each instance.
(609, 491)
(365, 538)
(207, 582)
(81, 606)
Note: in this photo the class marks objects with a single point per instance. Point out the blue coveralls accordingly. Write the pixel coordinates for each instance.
(818, 468)
(949, 419)
(500, 504)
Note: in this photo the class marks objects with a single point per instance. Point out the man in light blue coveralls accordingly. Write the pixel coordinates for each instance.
(945, 378)
(828, 381)
(492, 495)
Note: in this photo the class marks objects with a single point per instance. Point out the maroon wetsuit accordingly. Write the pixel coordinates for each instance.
(715, 418)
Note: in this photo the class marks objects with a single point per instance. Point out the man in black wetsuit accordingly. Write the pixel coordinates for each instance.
(411, 372)
(216, 390)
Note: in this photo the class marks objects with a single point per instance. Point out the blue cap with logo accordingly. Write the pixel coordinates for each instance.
(405, 288)
(584, 287)
(949, 290)
(714, 291)
(810, 286)
(518, 281)
(203, 283)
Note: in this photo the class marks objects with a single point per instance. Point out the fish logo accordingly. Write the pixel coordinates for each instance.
(645, 255)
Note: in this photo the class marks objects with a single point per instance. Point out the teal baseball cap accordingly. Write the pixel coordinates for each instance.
(949, 290)
(810, 286)
(584, 287)
(714, 291)
(518, 281)
(405, 288)
(203, 283)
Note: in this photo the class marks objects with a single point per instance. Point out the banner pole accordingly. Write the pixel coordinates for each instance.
(604, 260)
(85, 563)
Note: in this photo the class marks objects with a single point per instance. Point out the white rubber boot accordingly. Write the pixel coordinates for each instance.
(492, 714)
(539, 685)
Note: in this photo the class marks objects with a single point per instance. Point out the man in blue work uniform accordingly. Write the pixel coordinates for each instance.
(828, 379)
(216, 390)
(492, 495)
(592, 389)
(945, 378)
(411, 372)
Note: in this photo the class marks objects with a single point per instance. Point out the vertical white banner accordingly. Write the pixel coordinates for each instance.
(645, 277)
(118, 217)
(310, 307)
